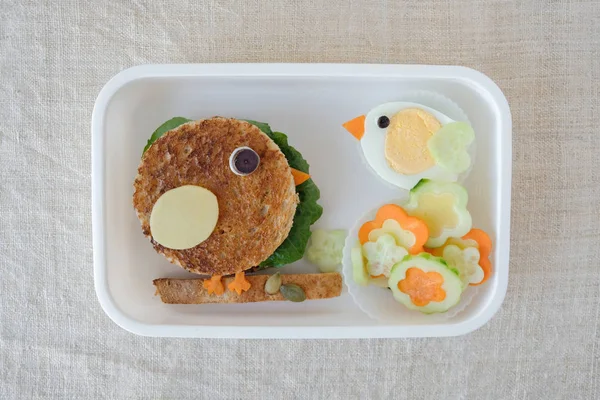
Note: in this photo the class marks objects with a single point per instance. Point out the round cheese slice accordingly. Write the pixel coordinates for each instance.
(184, 217)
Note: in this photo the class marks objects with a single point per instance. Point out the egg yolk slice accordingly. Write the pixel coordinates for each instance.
(406, 150)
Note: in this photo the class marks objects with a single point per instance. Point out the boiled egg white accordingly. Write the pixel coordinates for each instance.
(394, 142)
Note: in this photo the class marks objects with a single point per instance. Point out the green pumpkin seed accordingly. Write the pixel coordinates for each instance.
(273, 284)
(292, 292)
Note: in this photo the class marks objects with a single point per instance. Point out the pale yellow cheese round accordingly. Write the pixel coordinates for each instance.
(184, 217)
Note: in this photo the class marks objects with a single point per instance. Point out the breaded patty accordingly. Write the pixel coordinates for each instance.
(255, 211)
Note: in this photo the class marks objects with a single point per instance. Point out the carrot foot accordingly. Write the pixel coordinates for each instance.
(240, 283)
(214, 285)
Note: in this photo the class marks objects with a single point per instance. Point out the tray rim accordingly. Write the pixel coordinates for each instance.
(121, 79)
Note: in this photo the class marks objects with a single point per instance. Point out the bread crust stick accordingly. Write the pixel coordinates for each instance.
(191, 291)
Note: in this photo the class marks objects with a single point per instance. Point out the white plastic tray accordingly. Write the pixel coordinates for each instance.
(309, 102)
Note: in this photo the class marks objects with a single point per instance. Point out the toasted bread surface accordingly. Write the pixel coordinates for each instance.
(255, 211)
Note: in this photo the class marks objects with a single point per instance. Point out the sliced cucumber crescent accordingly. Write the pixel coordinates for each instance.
(425, 283)
(359, 272)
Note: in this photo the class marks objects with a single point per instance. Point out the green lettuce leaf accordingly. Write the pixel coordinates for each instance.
(164, 128)
(307, 212)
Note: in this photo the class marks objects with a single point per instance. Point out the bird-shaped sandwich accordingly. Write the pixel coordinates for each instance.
(220, 196)
(405, 142)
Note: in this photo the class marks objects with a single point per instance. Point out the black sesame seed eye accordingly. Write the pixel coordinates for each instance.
(244, 161)
(383, 122)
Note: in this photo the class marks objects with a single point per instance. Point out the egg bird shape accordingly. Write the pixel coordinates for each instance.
(405, 142)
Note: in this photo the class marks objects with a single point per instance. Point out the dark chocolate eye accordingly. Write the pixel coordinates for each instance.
(244, 161)
(383, 122)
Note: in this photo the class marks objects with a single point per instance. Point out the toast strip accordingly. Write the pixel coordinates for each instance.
(191, 291)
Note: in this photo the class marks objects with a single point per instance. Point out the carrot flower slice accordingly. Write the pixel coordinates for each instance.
(485, 249)
(423, 287)
(392, 211)
(484, 245)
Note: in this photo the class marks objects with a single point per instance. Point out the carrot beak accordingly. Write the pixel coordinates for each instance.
(356, 127)
(299, 176)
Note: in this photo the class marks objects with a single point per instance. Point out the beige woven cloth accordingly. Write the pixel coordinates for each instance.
(56, 342)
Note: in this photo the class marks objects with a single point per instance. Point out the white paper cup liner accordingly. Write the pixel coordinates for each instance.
(378, 303)
(436, 101)
(439, 103)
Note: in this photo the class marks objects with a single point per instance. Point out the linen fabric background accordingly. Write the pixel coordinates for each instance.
(56, 342)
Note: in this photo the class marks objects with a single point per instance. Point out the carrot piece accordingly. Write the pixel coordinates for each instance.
(365, 229)
(299, 176)
(392, 211)
(437, 251)
(433, 252)
(485, 249)
(422, 287)
(356, 126)
(240, 283)
(214, 285)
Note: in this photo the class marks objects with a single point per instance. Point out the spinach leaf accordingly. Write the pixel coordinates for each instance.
(307, 212)
(164, 128)
(262, 126)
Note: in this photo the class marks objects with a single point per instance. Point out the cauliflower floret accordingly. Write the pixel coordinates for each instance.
(382, 255)
(466, 261)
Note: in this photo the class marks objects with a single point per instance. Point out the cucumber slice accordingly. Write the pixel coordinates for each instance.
(325, 249)
(443, 207)
(359, 272)
(425, 283)
(448, 146)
